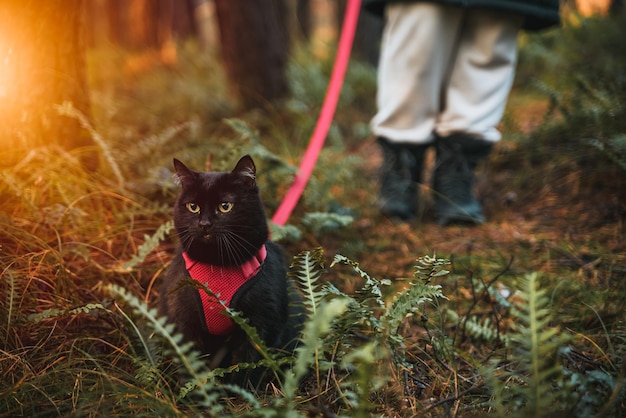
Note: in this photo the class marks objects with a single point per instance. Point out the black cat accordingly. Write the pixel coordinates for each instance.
(223, 232)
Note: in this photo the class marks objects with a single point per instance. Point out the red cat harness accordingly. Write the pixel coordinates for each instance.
(224, 283)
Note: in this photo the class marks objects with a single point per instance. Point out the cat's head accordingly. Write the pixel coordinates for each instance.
(219, 216)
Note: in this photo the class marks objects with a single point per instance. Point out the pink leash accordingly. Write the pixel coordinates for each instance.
(326, 115)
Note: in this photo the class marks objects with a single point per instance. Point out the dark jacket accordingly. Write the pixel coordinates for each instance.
(538, 14)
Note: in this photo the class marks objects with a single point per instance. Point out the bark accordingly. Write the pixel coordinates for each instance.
(254, 47)
(42, 59)
(138, 24)
(616, 7)
(303, 18)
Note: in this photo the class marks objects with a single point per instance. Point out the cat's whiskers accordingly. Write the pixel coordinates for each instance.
(187, 237)
(241, 247)
(231, 250)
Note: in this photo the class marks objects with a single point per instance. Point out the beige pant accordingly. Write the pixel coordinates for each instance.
(444, 70)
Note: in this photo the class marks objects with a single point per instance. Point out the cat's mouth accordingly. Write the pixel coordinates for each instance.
(207, 237)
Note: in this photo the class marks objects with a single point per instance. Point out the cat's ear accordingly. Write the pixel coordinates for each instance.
(185, 175)
(246, 168)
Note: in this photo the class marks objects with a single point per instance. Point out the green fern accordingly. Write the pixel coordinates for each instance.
(55, 313)
(313, 343)
(149, 244)
(146, 359)
(321, 222)
(614, 148)
(535, 347)
(363, 337)
(146, 148)
(409, 300)
(306, 269)
(350, 340)
(202, 381)
(287, 232)
(366, 363)
(482, 329)
(419, 292)
(371, 288)
(270, 360)
(429, 268)
(249, 138)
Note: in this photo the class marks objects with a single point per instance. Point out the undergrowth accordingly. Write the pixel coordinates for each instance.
(589, 100)
(81, 252)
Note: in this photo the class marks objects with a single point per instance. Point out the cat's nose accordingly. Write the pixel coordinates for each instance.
(205, 224)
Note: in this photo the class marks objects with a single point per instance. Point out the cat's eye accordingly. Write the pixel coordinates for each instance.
(192, 207)
(225, 207)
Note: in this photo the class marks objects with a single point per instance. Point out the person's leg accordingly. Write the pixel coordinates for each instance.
(416, 48)
(475, 100)
(397, 197)
(417, 45)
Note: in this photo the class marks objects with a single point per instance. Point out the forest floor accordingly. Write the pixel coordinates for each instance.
(544, 216)
(551, 216)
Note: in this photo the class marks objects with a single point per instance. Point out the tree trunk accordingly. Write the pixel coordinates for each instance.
(616, 7)
(183, 23)
(42, 64)
(303, 18)
(254, 47)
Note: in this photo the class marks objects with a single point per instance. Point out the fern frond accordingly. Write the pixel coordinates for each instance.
(536, 346)
(18, 187)
(482, 329)
(287, 232)
(150, 243)
(306, 269)
(249, 138)
(419, 292)
(312, 343)
(272, 162)
(148, 146)
(255, 340)
(407, 302)
(55, 313)
(366, 363)
(320, 222)
(371, 288)
(247, 396)
(202, 381)
(428, 268)
(614, 148)
(269, 360)
(241, 127)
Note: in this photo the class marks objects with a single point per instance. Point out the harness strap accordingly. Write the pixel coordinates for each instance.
(223, 282)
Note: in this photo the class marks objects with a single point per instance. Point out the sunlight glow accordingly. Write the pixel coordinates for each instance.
(7, 72)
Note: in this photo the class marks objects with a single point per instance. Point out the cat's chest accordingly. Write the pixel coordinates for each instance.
(222, 283)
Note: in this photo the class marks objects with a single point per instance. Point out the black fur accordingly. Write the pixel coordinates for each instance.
(268, 300)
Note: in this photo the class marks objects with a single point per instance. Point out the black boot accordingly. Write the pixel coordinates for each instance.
(457, 157)
(401, 168)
